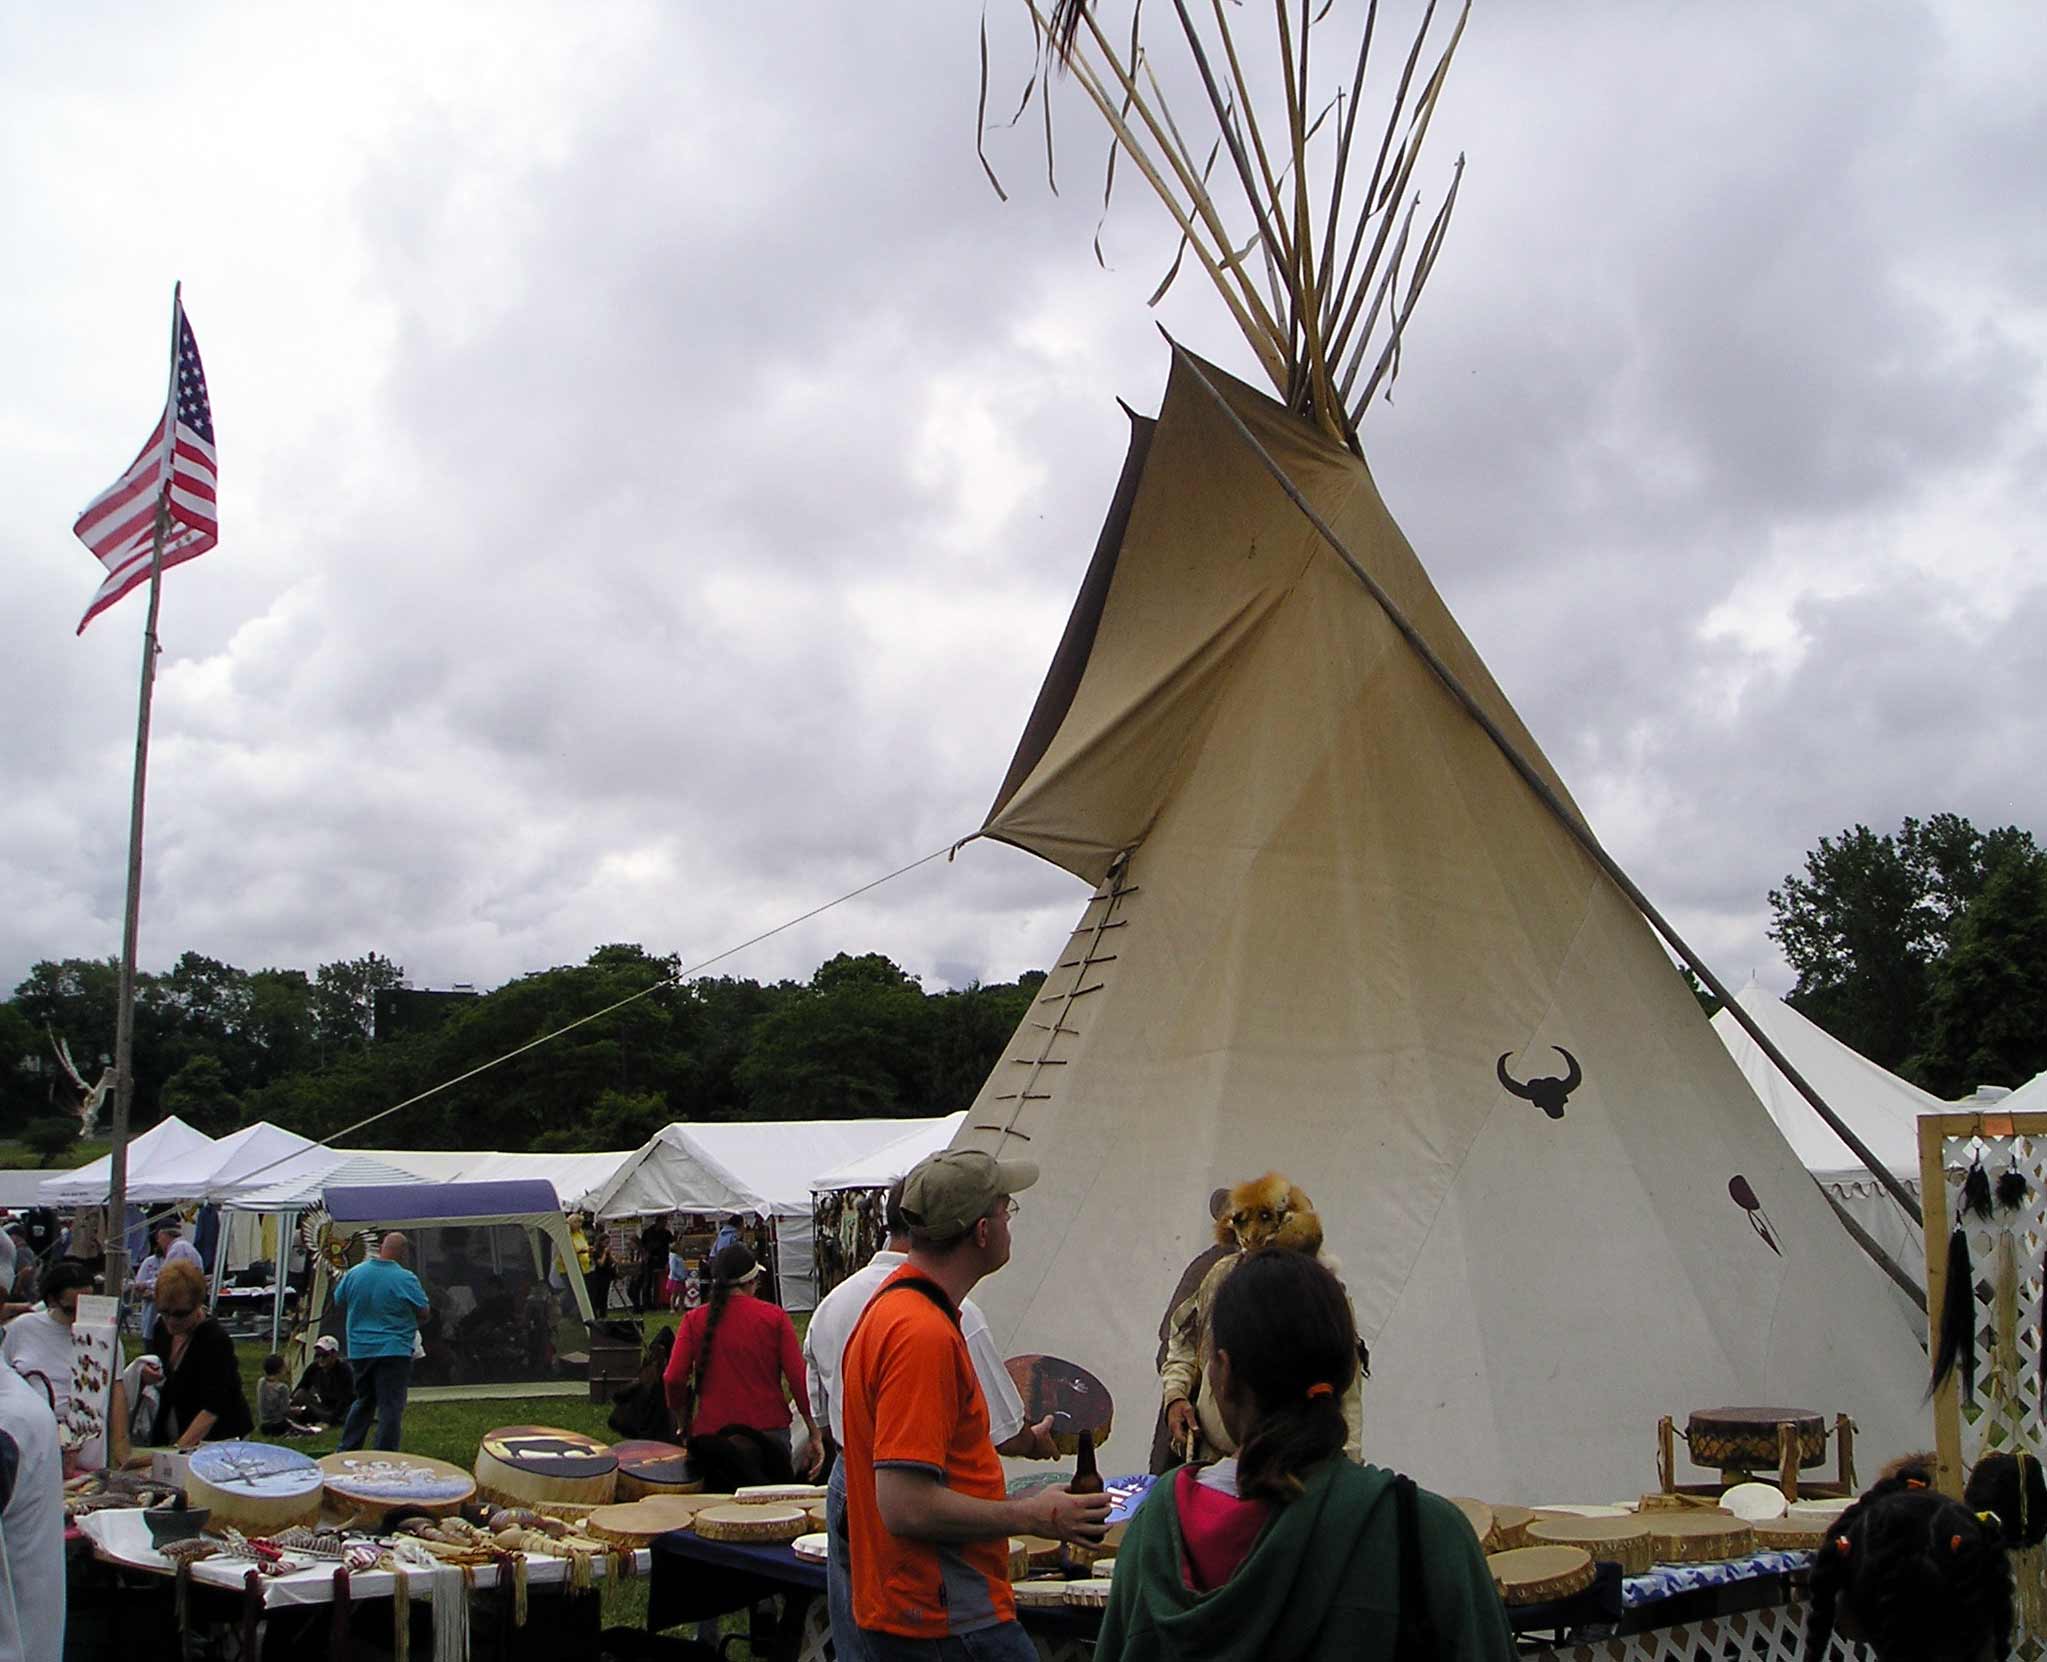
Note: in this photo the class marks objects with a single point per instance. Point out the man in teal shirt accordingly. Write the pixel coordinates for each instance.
(382, 1301)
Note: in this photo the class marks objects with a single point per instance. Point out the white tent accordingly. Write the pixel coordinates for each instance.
(1879, 1107)
(757, 1166)
(170, 1141)
(427, 1165)
(20, 1189)
(241, 1160)
(577, 1178)
(303, 1180)
(892, 1160)
(1335, 932)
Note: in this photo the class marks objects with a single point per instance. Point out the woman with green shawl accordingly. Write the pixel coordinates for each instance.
(1288, 1550)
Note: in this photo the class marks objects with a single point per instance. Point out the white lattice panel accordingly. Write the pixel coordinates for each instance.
(2005, 1412)
(1773, 1635)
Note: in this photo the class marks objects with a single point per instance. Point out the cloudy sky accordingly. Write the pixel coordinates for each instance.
(655, 468)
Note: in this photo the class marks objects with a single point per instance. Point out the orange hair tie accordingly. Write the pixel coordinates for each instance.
(1915, 1482)
(1954, 1543)
(1841, 1545)
(1321, 1388)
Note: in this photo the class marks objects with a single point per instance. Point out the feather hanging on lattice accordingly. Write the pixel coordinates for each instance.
(1957, 1320)
(2013, 1188)
(1976, 1191)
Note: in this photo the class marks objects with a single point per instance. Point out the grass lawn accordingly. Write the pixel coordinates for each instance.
(452, 1431)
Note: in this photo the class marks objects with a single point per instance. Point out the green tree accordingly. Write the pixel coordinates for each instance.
(24, 1082)
(854, 1043)
(199, 1094)
(50, 1136)
(345, 999)
(1859, 931)
(1987, 1013)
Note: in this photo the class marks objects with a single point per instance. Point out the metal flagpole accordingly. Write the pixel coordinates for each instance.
(124, 1027)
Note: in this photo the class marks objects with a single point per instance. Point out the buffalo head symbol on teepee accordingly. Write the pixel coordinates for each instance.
(1549, 1095)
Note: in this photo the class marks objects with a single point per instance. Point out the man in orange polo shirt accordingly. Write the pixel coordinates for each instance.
(927, 1512)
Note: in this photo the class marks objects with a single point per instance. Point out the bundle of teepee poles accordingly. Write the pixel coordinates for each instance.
(1320, 275)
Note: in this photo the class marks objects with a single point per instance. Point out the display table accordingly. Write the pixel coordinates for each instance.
(219, 1593)
(694, 1580)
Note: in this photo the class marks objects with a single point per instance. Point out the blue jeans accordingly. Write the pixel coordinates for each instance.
(380, 1384)
(1005, 1642)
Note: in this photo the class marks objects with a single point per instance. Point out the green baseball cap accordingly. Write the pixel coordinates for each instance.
(948, 1192)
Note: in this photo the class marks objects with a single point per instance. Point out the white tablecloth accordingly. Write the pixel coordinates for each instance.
(121, 1536)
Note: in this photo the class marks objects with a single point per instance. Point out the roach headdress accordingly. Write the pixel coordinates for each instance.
(1976, 1190)
(2013, 1189)
(1957, 1319)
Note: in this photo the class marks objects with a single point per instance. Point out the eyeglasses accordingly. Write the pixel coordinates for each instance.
(1008, 1206)
(170, 1315)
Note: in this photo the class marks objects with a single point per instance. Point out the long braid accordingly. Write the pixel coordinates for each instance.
(728, 1270)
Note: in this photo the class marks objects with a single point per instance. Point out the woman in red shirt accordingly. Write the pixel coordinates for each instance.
(734, 1356)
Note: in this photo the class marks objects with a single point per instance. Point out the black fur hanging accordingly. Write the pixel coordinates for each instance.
(2013, 1190)
(1976, 1191)
(1958, 1319)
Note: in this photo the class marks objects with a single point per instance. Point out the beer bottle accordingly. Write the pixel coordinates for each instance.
(1086, 1479)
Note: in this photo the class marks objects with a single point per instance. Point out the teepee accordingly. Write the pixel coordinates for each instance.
(1335, 931)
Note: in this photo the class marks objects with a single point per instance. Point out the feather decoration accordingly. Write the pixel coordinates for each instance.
(1066, 16)
(1976, 1190)
(2013, 1188)
(1957, 1320)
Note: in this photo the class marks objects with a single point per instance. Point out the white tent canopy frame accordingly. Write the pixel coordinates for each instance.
(762, 1167)
(168, 1141)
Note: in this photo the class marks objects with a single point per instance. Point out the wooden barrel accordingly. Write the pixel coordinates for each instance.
(1698, 1537)
(651, 1468)
(1623, 1540)
(257, 1488)
(523, 1465)
(1536, 1575)
(375, 1481)
(1745, 1439)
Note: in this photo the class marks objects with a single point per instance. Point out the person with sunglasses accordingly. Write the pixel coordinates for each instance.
(38, 1345)
(202, 1400)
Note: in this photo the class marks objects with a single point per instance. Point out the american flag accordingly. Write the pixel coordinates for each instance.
(120, 525)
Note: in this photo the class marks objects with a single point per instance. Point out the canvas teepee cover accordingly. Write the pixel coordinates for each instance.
(1339, 907)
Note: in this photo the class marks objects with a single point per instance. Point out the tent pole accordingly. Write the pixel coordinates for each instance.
(220, 1254)
(1868, 1242)
(287, 1221)
(1579, 831)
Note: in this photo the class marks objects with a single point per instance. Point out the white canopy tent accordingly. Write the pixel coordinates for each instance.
(577, 1178)
(239, 1161)
(892, 1160)
(170, 1141)
(757, 1166)
(21, 1189)
(1879, 1107)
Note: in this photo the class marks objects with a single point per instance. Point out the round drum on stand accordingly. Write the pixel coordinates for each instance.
(1745, 1439)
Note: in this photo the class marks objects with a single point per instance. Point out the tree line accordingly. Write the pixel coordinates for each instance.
(222, 1047)
(1925, 950)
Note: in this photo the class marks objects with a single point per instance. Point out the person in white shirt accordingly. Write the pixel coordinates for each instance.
(824, 1350)
(38, 1345)
(170, 1243)
(31, 1513)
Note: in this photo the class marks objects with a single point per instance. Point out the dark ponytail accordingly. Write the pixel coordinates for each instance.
(732, 1266)
(1924, 1577)
(1293, 1348)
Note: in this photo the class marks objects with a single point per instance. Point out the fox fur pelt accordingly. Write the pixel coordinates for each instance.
(1269, 1211)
